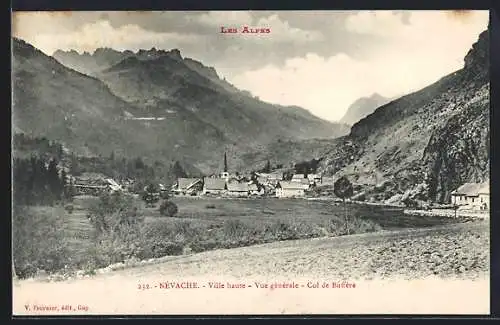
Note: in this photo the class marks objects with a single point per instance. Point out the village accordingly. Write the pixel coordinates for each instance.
(224, 184)
(469, 196)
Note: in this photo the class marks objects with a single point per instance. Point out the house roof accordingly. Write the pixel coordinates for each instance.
(262, 179)
(237, 187)
(293, 185)
(91, 176)
(313, 176)
(184, 183)
(114, 185)
(327, 180)
(278, 176)
(472, 189)
(485, 189)
(215, 183)
(303, 181)
(298, 176)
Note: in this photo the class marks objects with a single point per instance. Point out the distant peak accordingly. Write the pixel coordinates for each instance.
(105, 50)
(175, 53)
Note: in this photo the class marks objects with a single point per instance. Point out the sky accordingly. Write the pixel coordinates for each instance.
(320, 60)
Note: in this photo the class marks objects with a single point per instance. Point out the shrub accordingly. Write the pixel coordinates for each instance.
(210, 206)
(164, 195)
(158, 229)
(115, 214)
(168, 208)
(335, 227)
(38, 240)
(117, 224)
(185, 230)
(234, 229)
(158, 248)
(360, 225)
(69, 208)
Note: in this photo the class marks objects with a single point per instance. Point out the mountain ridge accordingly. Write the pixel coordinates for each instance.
(423, 144)
(199, 119)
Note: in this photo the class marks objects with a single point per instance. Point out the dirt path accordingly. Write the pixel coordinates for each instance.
(440, 270)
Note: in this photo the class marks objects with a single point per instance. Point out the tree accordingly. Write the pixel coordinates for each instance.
(151, 193)
(139, 164)
(343, 189)
(177, 171)
(267, 168)
(64, 184)
(54, 182)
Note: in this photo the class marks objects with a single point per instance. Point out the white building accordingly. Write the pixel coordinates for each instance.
(237, 189)
(298, 177)
(472, 196)
(291, 189)
(314, 178)
(214, 186)
(188, 185)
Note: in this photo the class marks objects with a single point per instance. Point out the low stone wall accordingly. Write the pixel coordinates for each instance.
(449, 213)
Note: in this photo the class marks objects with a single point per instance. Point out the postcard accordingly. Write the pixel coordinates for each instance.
(250, 162)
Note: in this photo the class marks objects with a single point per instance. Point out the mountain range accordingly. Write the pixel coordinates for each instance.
(161, 106)
(151, 103)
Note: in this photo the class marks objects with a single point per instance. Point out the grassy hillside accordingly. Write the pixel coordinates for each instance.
(200, 116)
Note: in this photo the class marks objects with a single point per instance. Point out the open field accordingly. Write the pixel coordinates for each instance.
(444, 269)
(204, 224)
(269, 210)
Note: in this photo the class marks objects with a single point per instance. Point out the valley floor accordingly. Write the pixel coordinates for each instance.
(443, 269)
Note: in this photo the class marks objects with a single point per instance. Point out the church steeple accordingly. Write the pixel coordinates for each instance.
(225, 163)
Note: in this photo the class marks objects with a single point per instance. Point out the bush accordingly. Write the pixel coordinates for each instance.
(210, 206)
(234, 229)
(359, 225)
(159, 248)
(168, 208)
(184, 231)
(115, 214)
(69, 208)
(117, 224)
(164, 195)
(38, 240)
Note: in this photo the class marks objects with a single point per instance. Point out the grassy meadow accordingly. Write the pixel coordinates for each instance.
(208, 223)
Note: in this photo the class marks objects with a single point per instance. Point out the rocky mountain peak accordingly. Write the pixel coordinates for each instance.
(105, 50)
(175, 54)
(478, 55)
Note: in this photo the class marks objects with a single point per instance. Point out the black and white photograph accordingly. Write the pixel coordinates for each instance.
(250, 162)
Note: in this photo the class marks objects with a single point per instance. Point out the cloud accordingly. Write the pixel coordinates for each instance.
(322, 61)
(101, 34)
(281, 31)
(422, 28)
(412, 56)
(226, 18)
(382, 22)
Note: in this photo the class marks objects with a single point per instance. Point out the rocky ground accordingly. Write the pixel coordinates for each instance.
(456, 256)
(452, 251)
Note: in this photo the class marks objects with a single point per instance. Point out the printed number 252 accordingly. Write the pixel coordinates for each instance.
(143, 286)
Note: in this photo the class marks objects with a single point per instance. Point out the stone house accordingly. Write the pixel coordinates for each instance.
(472, 196)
